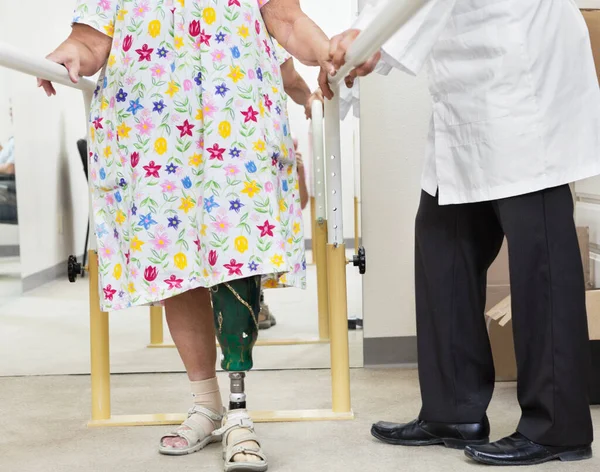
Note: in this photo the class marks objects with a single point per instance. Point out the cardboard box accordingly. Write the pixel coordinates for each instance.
(498, 309)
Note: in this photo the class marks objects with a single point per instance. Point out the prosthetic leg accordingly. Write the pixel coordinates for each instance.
(236, 306)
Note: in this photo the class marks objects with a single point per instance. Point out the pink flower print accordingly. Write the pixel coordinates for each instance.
(157, 70)
(269, 186)
(239, 104)
(180, 27)
(93, 175)
(179, 172)
(173, 282)
(187, 85)
(153, 289)
(127, 59)
(247, 17)
(200, 143)
(161, 241)
(175, 118)
(251, 74)
(109, 135)
(109, 292)
(222, 224)
(141, 9)
(216, 152)
(255, 217)
(275, 68)
(234, 267)
(276, 125)
(112, 102)
(104, 4)
(110, 199)
(232, 170)
(133, 272)
(209, 106)
(107, 252)
(218, 55)
(130, 80)
(145, 127)
(296, 268)
(168, 186)
(146, 113)
(282, 245)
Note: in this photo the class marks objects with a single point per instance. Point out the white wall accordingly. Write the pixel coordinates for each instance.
(50, 181)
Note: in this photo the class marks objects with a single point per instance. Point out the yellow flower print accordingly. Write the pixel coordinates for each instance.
(123, 131)
(289, 170)
(282, 205)
(284, 150)
(131, 287)
(118, 271)
(110, 29)
(178, 42)
(261, 108)
(154, 28)
(105, 104)
(181, 2)
(260, 146)
(136, 244)
(203, 230)
(205, 273)
(120, 218)
(200, 114)
(243, 31)
(224, 129)
(251, 188)
(107, 152)
(173, 89)
(277, 260)
(195, 160)
(241, 244)
(160, 146)
(209, 15)
(271, 283)
(93, 134)
(275, 89)
(186, 204)
(112, 60)
(236, 74)
(296, 228)
(180, 260)
(290, 240)
(283, 279)
(121, 14)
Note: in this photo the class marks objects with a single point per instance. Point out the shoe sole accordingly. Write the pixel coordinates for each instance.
(447, 442)
(570, 456)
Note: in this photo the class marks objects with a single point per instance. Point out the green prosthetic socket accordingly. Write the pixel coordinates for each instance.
(236, 306)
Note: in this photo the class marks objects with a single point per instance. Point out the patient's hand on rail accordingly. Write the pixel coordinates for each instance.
(83, 53)
(338, 48)
(316, 95)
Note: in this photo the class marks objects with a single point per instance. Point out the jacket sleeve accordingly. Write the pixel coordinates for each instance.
(410, 47)
(99, 14)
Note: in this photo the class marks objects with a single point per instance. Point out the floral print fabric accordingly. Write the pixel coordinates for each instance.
(192, 164)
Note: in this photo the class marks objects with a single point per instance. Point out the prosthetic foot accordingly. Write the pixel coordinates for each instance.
(236, 306)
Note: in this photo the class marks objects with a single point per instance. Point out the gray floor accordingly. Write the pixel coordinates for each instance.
(43, 425)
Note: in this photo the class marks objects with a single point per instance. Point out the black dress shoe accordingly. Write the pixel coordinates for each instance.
(518, 450)
(426, 433)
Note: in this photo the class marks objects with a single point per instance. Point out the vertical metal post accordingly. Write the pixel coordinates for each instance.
(156, 326)
(336, 261)
(320, 221)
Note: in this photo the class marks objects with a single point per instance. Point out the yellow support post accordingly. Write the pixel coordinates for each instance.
(313, 229)
(156, 327)
(338, 312)
(320, 252)
(99, 347)
(356, 226)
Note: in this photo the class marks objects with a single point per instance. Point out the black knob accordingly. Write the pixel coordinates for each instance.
(360, 260)
(74, 269)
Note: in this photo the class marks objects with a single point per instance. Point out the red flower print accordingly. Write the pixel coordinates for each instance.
(194, 28)
(109, 293)
(250, 114)
(98, 123)
(268, 102)
(128, 257)
(233, 267)
(205, 38)
(198, 244)
(152, 169)
(135, 159)
(216, 152)
(127, 42)
(145, 53)
(267, 47)
(266, 229)
(257, 26)
(212, 257)
(150, 273)
(173, 282)
(234, 2)
(186, 129)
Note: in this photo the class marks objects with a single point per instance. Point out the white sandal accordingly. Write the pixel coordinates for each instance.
(195, 436)
(241, 420)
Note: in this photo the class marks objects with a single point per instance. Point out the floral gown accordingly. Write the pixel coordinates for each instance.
(192, 165)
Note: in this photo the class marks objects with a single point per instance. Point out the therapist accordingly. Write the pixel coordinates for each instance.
(516, 118)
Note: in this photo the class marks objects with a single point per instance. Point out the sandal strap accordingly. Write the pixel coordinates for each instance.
(206, 412)
(245, 450)
(190, 435)
(191, 432)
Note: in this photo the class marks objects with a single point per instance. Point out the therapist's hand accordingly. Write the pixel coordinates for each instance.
(338, 48)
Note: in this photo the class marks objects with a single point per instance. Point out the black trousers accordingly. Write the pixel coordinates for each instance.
(455, 246)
